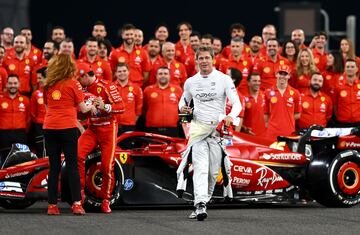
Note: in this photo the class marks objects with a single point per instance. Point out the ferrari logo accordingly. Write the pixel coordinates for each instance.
(123, 158)
(98, 90)
(27, 61)
(131, 88)
(11, 67)
(291, 92)
(137, 52)
(322, 98)
(40, 101)
(244, 63)
(282, 62)
(177, 65)
(172, 89)
(21, 99)
(99, 63)
(358, 86)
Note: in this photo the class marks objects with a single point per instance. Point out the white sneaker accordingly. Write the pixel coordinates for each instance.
(200, 211)
(192, 215)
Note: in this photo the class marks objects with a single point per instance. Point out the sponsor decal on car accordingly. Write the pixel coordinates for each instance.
(350, 144)
(266, 179)
(128, 184)
(281, 156)
(246, 170)
(16, 174)
(241, 181)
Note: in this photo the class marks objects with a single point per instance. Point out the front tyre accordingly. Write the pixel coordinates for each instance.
(334, 178)
(93, 182)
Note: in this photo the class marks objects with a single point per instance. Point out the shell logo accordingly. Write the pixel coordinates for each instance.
(40, 101)
(4, 105)
(266, 70)
(343, 93)
(305, 105)
(273, 100)
(11, 67)
(154, 95)
(121, 59)
(342, 144)
(56, 95)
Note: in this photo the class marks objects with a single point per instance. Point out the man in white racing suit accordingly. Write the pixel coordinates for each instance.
(208, 89)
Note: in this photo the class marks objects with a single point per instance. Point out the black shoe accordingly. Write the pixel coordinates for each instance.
(200, 211)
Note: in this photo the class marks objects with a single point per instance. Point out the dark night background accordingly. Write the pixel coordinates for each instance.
(212, 17)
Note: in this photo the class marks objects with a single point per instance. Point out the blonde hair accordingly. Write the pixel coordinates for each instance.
(60, 68)
(351, 52)
(300, 68)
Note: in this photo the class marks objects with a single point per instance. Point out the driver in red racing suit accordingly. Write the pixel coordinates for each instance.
(102, 129)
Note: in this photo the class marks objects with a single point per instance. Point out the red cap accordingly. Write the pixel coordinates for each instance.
(84, 68)
(283, 68)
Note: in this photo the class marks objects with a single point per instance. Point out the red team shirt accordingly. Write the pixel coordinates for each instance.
(281, 110)
(254, 109)
(22, 68)
(161, 105)
(178, 74)
(14, 113)
(137, 61)
(100, 67)
(266, 68)
(37, 106)
(132, 97)
(347, 100)
(62, 100)
(315, 110)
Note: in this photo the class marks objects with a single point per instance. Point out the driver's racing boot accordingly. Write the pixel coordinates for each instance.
(105, 206)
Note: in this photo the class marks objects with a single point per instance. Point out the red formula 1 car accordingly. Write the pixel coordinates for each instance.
(296, 168)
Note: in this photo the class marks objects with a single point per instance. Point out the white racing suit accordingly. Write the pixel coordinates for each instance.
(204, 149)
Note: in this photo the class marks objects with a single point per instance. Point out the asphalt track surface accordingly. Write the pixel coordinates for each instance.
(261, 219)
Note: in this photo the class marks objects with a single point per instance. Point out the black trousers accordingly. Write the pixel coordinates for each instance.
(56, 142)
(9, 137)
(123, 128)
(39, 139)
(346, 124)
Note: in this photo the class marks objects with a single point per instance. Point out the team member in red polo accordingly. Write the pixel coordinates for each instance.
(132, 97)
(102, 129)
(347, 97)
(17, 63)
(282, 105)
(161, 104)
(319, 51)
(38, 112)
(99, 66)
(238, 60)
(267, 65)
(254, 122)
(135, 57)
(63, 95)
(178, 73)
(316, 105)
(14, 116)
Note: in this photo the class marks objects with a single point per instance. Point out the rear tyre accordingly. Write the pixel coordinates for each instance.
(334, 178)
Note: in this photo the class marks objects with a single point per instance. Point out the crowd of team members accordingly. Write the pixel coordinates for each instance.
(282, 87)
